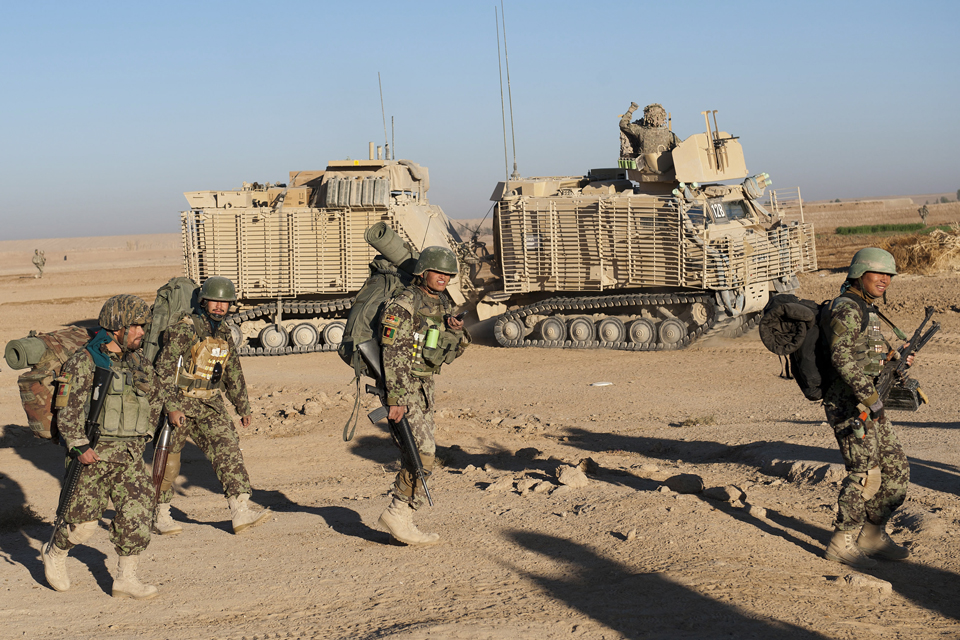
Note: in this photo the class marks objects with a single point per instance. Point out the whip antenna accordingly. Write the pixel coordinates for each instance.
(503, 113)
(506, 58)
(386, 141)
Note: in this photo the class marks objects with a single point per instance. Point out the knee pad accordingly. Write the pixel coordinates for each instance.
(80, 533)
(170, 472)
(868, 483)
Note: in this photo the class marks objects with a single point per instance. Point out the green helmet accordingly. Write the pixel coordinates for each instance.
(218, 288)
(871, 259)
(440, 259)
(123, 311)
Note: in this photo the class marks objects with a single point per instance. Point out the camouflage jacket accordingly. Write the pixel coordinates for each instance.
(646, 139)
(848, 344)
(403, 338)
(179, 340)
(78, 371)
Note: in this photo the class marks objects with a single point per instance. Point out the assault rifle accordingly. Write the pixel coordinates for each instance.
(101, 378)
(370, 352)
(894, 371)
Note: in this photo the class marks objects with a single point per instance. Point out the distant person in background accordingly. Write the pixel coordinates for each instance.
(924, 212)
(38, 261)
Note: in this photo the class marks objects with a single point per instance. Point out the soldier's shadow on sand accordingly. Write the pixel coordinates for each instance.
(766, 456)
(639, 605)
(344, 521)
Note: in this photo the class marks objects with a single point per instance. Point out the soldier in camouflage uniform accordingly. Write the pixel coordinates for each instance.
(877, 469)
(199, 360)
(419, 336)
(39, 260)
(114, 470)
(647, 135)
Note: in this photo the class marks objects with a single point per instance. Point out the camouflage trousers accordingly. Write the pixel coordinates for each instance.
(216, 436)
(119, 477)
(878, 448)
(419, 414)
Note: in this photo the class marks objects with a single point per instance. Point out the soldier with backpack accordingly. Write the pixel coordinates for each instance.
(877, 469)
(112, 468)
(199, 364)
(418, 336)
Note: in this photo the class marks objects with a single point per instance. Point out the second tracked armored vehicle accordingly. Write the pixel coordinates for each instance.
(653, 254)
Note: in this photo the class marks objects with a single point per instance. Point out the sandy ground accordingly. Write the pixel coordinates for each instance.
(521, 556)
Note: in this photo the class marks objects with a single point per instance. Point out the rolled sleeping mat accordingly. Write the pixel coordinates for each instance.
(24, 352)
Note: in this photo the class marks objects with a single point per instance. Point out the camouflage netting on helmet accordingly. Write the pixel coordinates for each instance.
(219, 289)
(122, 311)
(440, 259)
(654, 115)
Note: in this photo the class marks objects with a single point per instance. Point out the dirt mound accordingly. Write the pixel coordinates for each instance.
(926, 254)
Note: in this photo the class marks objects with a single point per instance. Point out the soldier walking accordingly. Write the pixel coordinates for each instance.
(419, 336)
(198, 364)
(877, 469)
(113, 471)
(39, 260)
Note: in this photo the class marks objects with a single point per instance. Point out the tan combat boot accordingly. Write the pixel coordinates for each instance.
(875, 542)
(55, 558)
(55, 566)
(243, 516)
(127, 584)
(843, 548)
(164, 523)
(398, 520)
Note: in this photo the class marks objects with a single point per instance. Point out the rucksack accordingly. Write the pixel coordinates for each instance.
(363, 323)
(796, 330)
(174, 301)
(46, 354)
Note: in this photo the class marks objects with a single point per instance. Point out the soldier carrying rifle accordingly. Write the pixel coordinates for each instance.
(109, 402)
(877, 469)
(419, 335)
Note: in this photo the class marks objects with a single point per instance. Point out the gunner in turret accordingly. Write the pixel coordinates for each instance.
(649, 134)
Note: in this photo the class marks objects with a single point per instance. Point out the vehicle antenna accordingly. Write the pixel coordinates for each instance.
(386, 142)
(393, 156)
(506, 59)
(503, 112)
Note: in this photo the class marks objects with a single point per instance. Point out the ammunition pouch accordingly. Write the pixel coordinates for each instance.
(445, 352)
(202, 377)
(126, 409)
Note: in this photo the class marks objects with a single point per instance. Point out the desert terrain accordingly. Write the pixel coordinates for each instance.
(615, 554)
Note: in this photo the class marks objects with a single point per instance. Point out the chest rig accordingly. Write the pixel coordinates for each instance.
(201, 376)
(431, 340)
(126, 409)
(870, 349)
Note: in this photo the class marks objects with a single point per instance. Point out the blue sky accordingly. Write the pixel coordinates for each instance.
(111, 110)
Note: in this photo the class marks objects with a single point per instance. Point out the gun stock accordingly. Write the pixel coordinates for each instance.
(370, 352)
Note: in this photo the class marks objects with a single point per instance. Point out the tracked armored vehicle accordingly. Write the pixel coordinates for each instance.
(296, 252)
(652, 255)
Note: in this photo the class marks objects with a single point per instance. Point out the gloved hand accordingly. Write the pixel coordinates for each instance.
(634, 106)
(876, 410)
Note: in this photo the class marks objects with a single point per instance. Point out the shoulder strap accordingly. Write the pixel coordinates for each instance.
(866, 307)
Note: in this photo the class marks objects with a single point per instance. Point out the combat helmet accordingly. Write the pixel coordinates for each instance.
(439, 259)
(871, 259)
(219, 289)
(654, 115)
(123, 311)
